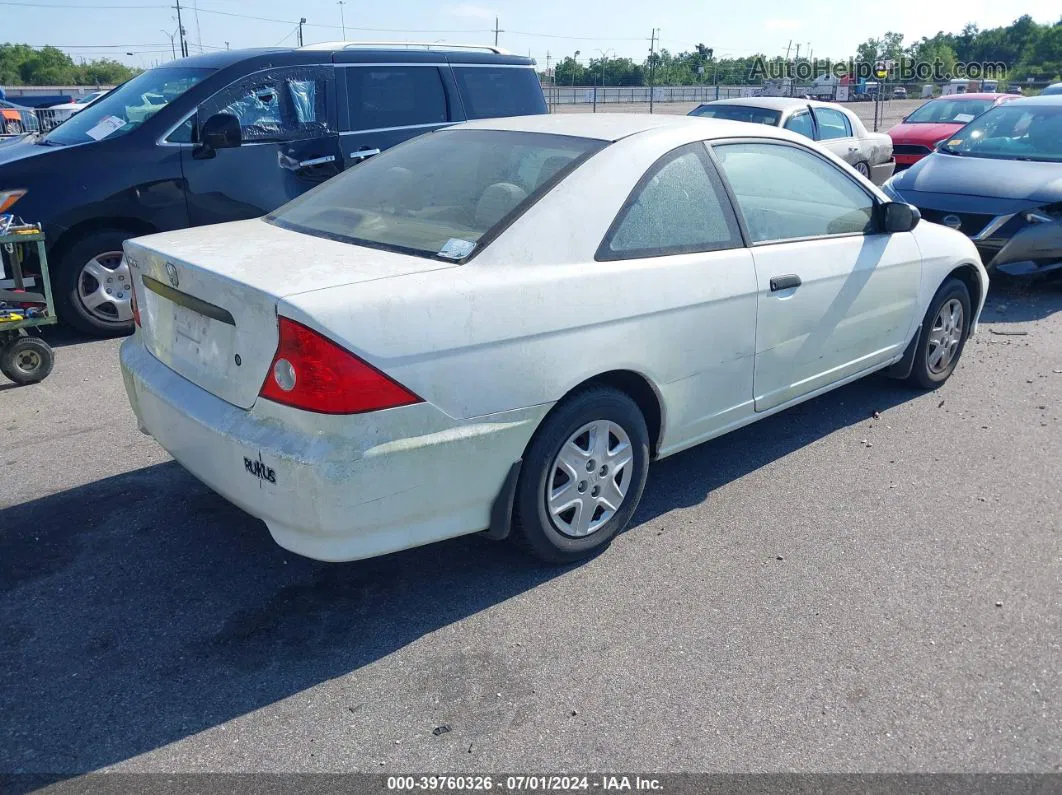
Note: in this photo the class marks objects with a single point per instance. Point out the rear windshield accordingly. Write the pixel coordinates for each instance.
(444, 194)
(740, 113)
(492, 91)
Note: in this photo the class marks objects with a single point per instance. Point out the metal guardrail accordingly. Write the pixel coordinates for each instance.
(50, 118)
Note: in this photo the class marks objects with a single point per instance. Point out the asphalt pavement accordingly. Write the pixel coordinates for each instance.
(871, 582)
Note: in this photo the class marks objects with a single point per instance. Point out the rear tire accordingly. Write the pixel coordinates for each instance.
(582, 476)
(945, 330)
(76, 286)
(863, 169)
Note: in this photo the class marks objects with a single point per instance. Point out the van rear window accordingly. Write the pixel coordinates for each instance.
(493, 91)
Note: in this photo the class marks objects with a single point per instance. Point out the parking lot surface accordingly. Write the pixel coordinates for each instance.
(867, 582)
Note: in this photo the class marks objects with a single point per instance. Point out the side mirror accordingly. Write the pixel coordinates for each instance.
(220, 131)
(900, 217)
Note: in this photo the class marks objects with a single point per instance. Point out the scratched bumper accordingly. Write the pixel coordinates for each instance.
(332, 487)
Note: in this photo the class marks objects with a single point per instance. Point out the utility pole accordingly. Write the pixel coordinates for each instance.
(652, 64)
(302, 21)
(575, 67)
(787, 49)
(798, 51)
(497, 30)
(180, 29)
(549, 91)
(227, 44)
(342, 22)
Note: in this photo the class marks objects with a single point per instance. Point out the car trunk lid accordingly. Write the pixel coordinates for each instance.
(208, 297)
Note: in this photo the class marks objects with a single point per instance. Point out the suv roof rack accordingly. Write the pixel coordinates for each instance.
(427, 45)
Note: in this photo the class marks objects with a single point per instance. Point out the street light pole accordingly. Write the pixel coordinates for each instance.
(302, 21)
(575, 66)
(342, 22)
(173, 47)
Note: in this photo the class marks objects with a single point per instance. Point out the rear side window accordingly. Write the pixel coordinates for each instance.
(801, 123)
(832, 124)
(395, 96)
(679, 207)
(492, 91)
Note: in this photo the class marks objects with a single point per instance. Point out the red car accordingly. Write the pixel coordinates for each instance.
(937, 120)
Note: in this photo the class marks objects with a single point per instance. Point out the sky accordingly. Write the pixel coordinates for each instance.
(554, 28)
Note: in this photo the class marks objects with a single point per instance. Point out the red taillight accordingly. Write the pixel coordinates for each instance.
(311, 372)
(132, 303)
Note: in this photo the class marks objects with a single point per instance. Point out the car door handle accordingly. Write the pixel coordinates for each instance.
(361, 154)
(853, 149)
(317, 161)
(785, 282)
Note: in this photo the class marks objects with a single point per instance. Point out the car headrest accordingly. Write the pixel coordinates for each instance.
(498, 201)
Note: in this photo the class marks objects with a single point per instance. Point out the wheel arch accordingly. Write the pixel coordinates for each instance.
(635, 385)
(968, 274)
(80, 230)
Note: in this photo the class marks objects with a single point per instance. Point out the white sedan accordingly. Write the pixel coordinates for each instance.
(498, 326)
(836, 128)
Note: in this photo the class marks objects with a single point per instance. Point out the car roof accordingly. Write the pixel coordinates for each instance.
(973, 95)
(353, 52)
(773, 103)
(614, 126)
(1049, 100)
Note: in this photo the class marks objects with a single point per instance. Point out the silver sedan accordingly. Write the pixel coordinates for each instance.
(834, 127)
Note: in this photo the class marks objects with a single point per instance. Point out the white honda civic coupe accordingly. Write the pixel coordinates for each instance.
(497, 326)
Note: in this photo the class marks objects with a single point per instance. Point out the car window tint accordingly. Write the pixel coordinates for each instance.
(785, 192)
(440, 194)
(395, 96)
(679, 207)
(489, 92)
(184, 133)
(801, 123)
(832, 124)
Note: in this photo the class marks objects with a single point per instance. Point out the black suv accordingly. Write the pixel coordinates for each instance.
(234, 135)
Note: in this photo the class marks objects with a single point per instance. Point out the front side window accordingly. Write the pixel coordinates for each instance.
(127, 107)
(832, 124)
(395, 96)
(785, 192)
(494, 91)
(679, 207)
(801, 122)
(278, 105)
(441, 195)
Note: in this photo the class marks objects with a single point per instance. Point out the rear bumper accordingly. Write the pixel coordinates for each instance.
(882, 171)
(333, 487)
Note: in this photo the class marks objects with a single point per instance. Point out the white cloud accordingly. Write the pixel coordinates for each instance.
(775, 23)
(470, 11)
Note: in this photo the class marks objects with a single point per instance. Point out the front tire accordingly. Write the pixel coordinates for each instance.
(582, 476)
(944, 332)
(93, 286)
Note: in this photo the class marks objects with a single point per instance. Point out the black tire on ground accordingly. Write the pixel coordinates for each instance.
(533, 527)
(67, 272)
(922, 374)
(26, 360)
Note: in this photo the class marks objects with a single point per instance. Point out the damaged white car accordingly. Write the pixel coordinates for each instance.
(497, 326)
(834, 127)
